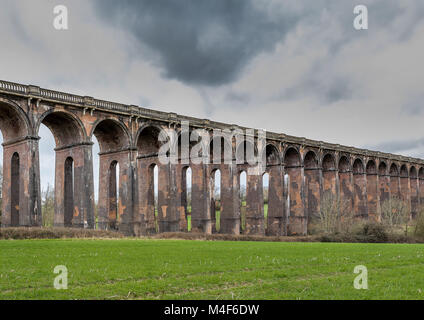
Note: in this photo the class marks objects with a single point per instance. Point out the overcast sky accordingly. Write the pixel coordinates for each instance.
(296, 67)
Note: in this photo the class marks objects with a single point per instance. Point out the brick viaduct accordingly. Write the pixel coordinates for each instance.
(300, 170)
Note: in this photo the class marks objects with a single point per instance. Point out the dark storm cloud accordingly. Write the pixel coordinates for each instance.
(201, 41)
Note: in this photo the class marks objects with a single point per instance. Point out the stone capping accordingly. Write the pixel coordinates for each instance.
(31, 91)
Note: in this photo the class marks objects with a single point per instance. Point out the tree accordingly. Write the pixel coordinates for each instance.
(47, 204)
(334, 215)
(1, 185)
(395, 212)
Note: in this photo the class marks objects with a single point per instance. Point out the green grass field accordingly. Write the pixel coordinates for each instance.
(182, 269)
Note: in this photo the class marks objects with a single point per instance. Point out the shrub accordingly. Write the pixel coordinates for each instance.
(372, 232)
(55, 233)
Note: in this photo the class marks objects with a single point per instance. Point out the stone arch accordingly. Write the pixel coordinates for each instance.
(292, 157)
(328, 162)
(413, 173)
(111, 134)
(421, 185)
(312, 184)
(359, 188)
(414, 184)
(272, 156)
(382, 168)
(358, 166)
(14, 123)
(297, 219)
(246, 151)
(421, 173)
(345, 181)
(372, 190)
(67, 129)
(310, 160)
(274, 225)
(403, 171)
(384, 182)
(394, 180)
(149, 140)
(371, 167)
(329, 173)
(394, 171)
(180, 152)
(405, 191)
(344, 165)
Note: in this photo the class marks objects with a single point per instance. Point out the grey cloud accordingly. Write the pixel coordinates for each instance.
(201, 41)
(398, 146)
(237, 97)
(414, 106)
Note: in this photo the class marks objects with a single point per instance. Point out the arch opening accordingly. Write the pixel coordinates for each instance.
(382, 169)
(328, 163)
(111, 136)
(219, 150)
(216, 198)
(13, 123)
(311, 160)
(371, 167)
(66, 130)
(403, 171)
(150, 140)
(413, 173)
(186, 186)
(394, 172)
(272, 156)
(15, 189)
(358, 167)
(153, 190)
(343, 164)
(113, 196)
(265, 191)
(292, 158)
(242, 198)
(69, 192)
(421, 173)
(246, 152)
(187, 140)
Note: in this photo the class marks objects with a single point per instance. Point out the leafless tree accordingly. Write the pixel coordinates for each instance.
(395, 212)
(48, 206)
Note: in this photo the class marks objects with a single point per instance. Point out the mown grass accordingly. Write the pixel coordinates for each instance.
(176, 269)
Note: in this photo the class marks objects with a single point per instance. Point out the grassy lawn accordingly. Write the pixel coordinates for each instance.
(178, 269)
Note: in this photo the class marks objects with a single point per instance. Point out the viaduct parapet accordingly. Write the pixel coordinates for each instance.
(300, 171)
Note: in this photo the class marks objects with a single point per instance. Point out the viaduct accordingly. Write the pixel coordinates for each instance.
(300, 170)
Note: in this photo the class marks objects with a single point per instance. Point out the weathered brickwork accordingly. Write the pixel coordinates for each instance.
(300, 171)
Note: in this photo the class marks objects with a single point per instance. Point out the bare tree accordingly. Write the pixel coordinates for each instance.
(48, 206)
(1, 185)
(334, 215)
(395, 212)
